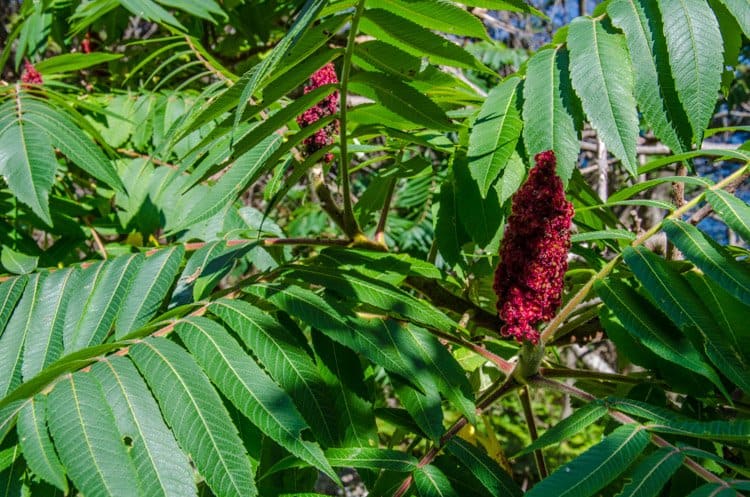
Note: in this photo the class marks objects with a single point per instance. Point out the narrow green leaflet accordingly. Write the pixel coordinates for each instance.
(284, 359)
(736, 430)
(603, 79)
(194, 268)
(741, 11)
(37, 446)
(233, 182)
(425, 409)
(695, 56)
(250, 389)
(613, 234)
(28, 164)
(97, 314)
(710, 257)
(547, 110)
(658, 102)
(439, 364)
(13, 339)
(148, 289)
(45, 344)
(152, 11)
(163, 467)
(488, 472)
(206, 9)
(510, 5)
(73, 62)
(87, 439)
(652, 473)
(646, 324)
(363, 457)
(343, 372)
(17, 262)
(595, 468)
(496, 131)
(441, 16)
(194, 411)
(10, 292)
(431, 482)
(377, 293)
(733, 211)
(400, 98)
(416, 40)
(579, 420)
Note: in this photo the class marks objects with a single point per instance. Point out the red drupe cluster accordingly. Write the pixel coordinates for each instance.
(326, 107)
(534, 252)
(30, 75)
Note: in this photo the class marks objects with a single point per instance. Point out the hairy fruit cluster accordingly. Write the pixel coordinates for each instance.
(326, 107)
(534, 252)
(30, 75)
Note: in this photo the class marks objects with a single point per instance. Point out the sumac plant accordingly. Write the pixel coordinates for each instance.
(263, 247)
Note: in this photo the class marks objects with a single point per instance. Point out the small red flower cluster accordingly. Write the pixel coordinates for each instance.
(30, 75)
(326, 107)
(534, 252)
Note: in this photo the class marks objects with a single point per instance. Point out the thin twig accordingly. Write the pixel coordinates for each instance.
(528, 413)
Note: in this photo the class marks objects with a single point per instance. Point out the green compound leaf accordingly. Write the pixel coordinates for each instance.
(603, 79)
(87, 439)
(650, 328)
(695, 56)
(250, 389)
(496, 131)
(595, 468)
(284, 359)
(194, 411)
(163, 467)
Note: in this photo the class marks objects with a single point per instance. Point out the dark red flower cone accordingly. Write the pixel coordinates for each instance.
(534, 252)
(326, 107)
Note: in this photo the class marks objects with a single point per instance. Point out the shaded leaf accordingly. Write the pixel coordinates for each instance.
(487, 471)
